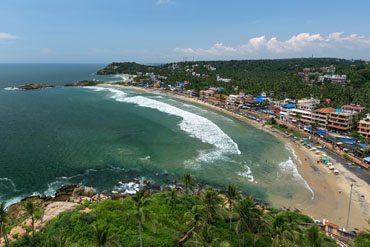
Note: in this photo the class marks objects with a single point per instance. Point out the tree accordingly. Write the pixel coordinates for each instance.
(172, 197)
(315, 238)
(248, 216)
(30, 209)
(231, 195)
(205, 236)
(210, 203)
(285, 230)
(189, 184)
(141, 201)
(102, 237)
(3, 215)
(314, 126)
(363, 239)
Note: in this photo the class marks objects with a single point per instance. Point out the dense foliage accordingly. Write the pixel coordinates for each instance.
(278, 78)
(204, 218)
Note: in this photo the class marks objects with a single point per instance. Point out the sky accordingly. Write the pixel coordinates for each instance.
(158, 31)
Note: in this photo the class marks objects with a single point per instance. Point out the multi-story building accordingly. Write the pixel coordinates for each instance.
(301, 116)
(234, 100)
(307, 104)
(321, 116)
(352, 109)
(364, 126)
(340, 121)
(341, 79)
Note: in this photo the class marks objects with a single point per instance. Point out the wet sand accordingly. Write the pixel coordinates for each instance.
(327, 202)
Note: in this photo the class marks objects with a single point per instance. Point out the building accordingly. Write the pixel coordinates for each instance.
(341, 79)
(364, 126)
(321, 116)
(307, 104)
(285, 111)
(352, 109)
(234, 100)
(219, 78)
(340, 121)
(301, 116)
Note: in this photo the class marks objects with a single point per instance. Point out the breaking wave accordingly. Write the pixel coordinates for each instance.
(11, 88)
(290, 166)
(196, 126)
(8, 184)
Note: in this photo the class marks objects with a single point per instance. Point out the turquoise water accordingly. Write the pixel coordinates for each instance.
(98, 136)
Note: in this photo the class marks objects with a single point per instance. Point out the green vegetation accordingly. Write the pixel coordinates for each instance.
(278, 78)
(207, 218)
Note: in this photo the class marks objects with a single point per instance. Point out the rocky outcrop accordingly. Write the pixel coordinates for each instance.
(84, 83)
(34, 86)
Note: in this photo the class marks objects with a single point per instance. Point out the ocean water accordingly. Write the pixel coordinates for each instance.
(98, 137)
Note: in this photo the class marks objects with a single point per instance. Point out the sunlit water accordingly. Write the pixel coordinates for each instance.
(98, 136)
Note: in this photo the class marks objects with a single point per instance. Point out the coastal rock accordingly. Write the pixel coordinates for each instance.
(64, 193)
(34, 86)
(83, 191)
(83, 83)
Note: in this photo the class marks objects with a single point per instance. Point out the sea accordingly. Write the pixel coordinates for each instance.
(104, 137)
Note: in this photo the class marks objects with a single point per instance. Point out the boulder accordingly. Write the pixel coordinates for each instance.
(34, 86)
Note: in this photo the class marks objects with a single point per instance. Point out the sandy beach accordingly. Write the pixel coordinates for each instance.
(331, 192)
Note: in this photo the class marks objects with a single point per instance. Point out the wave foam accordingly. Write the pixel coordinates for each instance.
(8, 183)
(196, 126)
(247, 174)
(289, 166)
(11, 88)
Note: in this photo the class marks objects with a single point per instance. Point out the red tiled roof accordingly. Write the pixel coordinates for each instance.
(353, 107)
(336, 127)
(325, 110)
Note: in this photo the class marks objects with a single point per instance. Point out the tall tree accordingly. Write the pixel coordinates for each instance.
(141, 201)
(102, 237)
(172, 198)
(189, 184)
(248, 216)
(3, 214)
(231, 196)
(30, 209)
(285, 230)
(211, 202)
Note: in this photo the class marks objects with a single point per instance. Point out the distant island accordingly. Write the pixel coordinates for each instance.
(34, 86)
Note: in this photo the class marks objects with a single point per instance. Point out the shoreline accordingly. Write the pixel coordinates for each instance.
(331, 192)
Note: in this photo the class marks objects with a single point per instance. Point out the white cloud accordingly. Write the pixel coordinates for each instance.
(216, 49)
(7, 36)
(159, 2)
(297, 44)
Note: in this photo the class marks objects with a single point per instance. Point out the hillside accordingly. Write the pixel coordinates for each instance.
(170, 218)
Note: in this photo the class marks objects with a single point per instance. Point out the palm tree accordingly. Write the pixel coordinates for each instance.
(195, 220)
(317, 239)
(102, 237)
(205, 237)
(231, 195)
(141, 201)
(172, 197)
(30, 209)
(248, 215)
(3, 215)
(314, 126)
(285, 230)
(189, 184)
(210, 203)
(363, 239)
